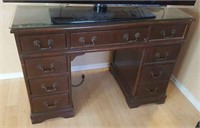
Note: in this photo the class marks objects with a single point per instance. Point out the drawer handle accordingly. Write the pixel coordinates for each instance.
(46, 70)
(156, 76)
(161, 57)
(85, 44)
(164, 34)
(127, 37)
(37, 43)
(152, 91)
(49, 88)
(51, 106)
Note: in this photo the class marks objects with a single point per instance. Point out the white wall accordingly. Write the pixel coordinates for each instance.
(1, 32)
(9, 58)
(187, 69)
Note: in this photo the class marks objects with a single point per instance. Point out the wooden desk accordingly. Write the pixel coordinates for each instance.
(144, 54)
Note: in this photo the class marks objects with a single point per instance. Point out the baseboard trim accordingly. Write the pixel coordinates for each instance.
(74, 68)
(186, 93)
(89, 67)
(11, 75)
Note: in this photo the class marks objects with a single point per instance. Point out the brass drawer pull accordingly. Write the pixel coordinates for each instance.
(51, 106)
(37, 43)
(49, 88)
(85, 44)
(156, 76)
(127, 37)
(152, 91)
(164, 35)
(161, 57)
(46, 70)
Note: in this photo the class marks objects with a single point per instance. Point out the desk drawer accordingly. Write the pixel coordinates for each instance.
(49, 103)
(42, 42)
(167, 31)
(153, 73)
(46, 66)
(161, 53)
(98, 38)
(152, 89)
(50, 85)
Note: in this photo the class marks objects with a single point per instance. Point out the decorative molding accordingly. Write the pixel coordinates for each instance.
(195, 102)
(74, 68)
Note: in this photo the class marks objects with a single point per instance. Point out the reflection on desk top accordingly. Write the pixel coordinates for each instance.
(40, 16)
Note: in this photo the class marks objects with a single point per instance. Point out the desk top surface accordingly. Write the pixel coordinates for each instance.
(40, 17)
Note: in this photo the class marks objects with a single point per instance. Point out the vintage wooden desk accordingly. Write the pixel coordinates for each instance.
(143, 56)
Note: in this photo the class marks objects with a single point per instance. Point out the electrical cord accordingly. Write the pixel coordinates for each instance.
(83, 78)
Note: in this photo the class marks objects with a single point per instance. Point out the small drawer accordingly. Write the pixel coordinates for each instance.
(153, 73)
(167, 31)
(161, 53)
(98, 38)
(45, 66)
(50, 85)
(49, 103)
(152, 89)
(42, 42)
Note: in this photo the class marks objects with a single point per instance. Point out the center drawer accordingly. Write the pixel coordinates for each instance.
(98, 38)
(37, 67)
